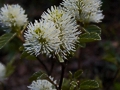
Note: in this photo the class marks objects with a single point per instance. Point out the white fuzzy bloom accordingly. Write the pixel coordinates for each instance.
(2, 72)
(41, 85)
(84, 10)
(41, 38)
(13, 15)
(67, 26)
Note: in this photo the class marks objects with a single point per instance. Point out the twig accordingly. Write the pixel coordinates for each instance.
(62, 75)
(43, 65)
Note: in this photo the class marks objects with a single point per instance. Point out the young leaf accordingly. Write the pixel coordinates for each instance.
(93, 28)
(78, 74)
(89, 37)
(35, 76)
(89, 84)
(4, 39)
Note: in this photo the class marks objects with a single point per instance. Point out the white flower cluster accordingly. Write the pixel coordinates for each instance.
(56, 33)
(67, 26)
(13, 15)
(41, 37)
(41, 85)
(2, 72)
(84, 10)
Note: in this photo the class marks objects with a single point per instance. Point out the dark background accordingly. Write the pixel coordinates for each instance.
(99, 60)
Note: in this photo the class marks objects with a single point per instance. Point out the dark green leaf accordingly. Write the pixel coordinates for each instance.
(89, 37)
(4, 39)
(78, 74)
(27, 56)
(93, 28)
(82, 45)
(89, 84)
(66, 84)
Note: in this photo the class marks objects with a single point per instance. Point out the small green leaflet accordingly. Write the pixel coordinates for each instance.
(4, 39)
(93, 28)
(89, 84)
(89, 37)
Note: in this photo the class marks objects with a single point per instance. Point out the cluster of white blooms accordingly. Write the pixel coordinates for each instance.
(56, 33)
(67, 26)
(41, 37)
(13, 15)
(84, 10)
(41, 85)
(2, 72)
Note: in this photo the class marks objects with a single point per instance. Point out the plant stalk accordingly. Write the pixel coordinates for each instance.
(62, 75)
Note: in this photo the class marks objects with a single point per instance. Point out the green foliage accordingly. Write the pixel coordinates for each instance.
(92, 33)
(37, 75)
(89, 84)
(66, 84)
(75, 83)
(4, 39)
(89, 37)
(27, 56)
(78, 74)
(93, 28)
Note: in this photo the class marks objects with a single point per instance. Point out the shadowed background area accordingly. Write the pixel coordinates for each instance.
(99, 60)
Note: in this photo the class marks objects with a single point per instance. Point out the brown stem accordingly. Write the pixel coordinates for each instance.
(62, 75)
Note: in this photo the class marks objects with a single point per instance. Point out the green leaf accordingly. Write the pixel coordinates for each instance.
(27, 56)
(73, 84)
(35, 76)
(89, 37)
(43, 76)
(89, 84)
(78, 74)
(66, 84)
(82, 45)
(93, 28)
(4, 39)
